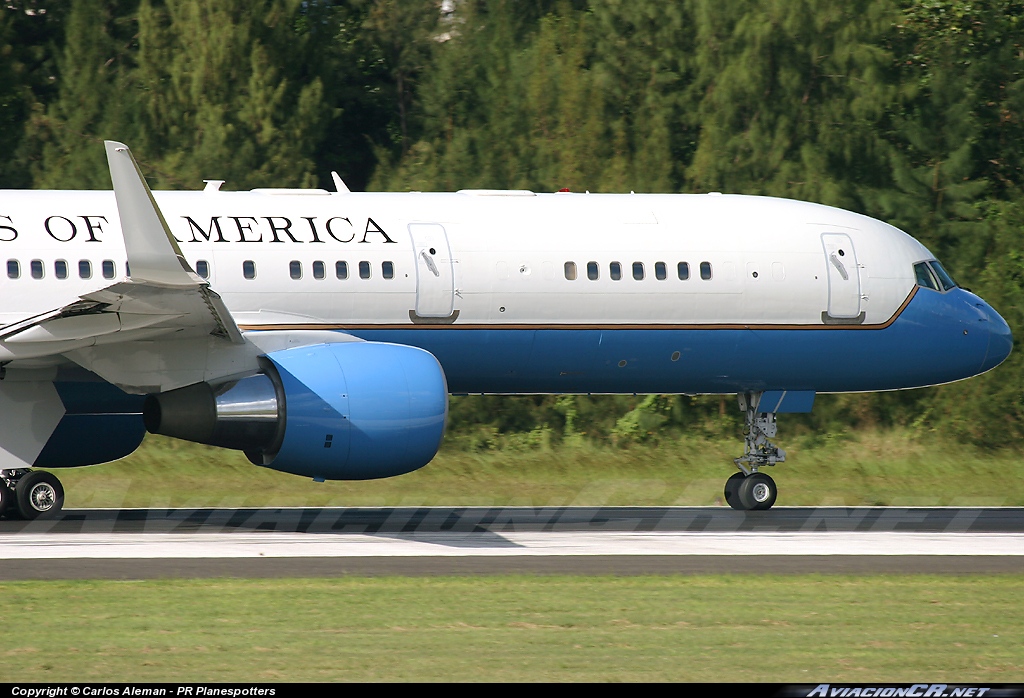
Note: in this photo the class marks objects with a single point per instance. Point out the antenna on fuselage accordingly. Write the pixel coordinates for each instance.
(339, 185)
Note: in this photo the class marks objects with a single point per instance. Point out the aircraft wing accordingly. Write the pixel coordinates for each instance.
(162, 294)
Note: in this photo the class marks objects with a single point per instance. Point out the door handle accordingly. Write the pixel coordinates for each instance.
(430, 263)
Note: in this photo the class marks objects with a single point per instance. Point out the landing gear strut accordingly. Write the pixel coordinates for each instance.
(750, 489)
(30, 493)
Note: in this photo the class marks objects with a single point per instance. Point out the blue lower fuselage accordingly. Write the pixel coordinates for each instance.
(936, 338)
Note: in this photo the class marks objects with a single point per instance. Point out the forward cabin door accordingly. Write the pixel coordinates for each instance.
(843, 275)
(435, 278)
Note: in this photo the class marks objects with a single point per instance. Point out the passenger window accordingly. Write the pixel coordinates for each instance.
(638, 271)
(36, 266)
(364, 270)
(683, 270)
(60, 269)
(705, 270)
(203, 268)
(593, 271)
(924, 276)
(615, 271)
(319, 270)
(108, 269)
(387, 270)
(341, 270)
(295, 269)
(84, 269)
(249, 269)
(660, 271)
(13, 269)
(570, 271)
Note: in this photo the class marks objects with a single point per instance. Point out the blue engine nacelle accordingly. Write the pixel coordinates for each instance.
(349, 411)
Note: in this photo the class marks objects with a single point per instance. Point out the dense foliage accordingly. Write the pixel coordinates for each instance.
(912, 112)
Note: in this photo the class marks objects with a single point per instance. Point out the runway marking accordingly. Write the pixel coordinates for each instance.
(488, 544)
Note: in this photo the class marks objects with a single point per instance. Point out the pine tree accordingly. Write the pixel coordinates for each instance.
(226, 92)
(470, 111)
(91, 102)
(554, 102)
(403, 32)
(794, 93)
(31, 36)
(643, 69)
(13, 102)
(358, 91)
(958, 128)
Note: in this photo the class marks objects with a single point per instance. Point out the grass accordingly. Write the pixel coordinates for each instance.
(802, 629)
(866, 468)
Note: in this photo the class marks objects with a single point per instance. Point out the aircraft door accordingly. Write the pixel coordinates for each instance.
(435, 278)
(843, 276)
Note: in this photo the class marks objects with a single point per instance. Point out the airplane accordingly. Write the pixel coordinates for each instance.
(321, 333)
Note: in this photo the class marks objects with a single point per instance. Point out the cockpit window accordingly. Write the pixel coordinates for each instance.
(944, 278)
(933, 275)
(925, 277)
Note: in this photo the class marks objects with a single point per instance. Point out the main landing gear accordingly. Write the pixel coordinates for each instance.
(751, 489)
(30, 494)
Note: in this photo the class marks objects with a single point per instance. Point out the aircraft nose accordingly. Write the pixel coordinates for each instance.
(1000, 338)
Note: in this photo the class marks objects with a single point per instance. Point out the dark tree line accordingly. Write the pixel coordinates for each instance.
(907, 111)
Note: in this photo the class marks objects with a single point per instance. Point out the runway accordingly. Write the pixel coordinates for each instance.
(157, 543)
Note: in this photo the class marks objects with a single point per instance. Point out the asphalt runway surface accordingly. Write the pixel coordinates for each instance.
(317, 542)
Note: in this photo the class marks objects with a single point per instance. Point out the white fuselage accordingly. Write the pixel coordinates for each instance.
(510, 256)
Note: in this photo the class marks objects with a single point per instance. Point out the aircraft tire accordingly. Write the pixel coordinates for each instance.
(39, 493)
(758, 492)
(732, 491)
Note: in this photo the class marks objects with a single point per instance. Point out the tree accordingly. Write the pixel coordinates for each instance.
(225, 90)
(403, 33)
(644, 71)
(552, 103)
(91, 103)
(794, 94)
(957, 129)
(14, 101)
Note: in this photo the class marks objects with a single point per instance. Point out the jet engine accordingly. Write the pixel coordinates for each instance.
(348, 411)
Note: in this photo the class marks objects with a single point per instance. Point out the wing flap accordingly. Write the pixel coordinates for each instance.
(77, 327)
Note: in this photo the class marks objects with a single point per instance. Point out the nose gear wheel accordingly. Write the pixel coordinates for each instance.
(749, 489)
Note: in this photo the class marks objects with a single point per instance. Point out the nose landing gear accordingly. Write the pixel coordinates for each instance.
(30, 493)
(750, 489)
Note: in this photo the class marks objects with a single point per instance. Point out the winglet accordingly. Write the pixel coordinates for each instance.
(153, 253)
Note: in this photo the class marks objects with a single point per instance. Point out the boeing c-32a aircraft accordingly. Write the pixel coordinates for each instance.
(321, 333)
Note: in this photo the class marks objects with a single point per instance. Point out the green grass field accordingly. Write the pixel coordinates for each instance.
(870, 468)
(673, 628)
